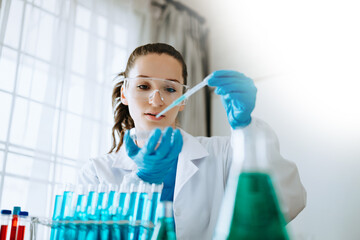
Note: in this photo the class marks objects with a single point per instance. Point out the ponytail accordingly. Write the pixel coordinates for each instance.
(122, 118)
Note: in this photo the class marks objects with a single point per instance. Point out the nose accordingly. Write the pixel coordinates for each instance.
(156, 99)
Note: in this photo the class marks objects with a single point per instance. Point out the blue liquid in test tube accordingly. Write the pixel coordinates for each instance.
(106, 214)
(79, 206)
(135, 220)
(90, 203)
(150, 215)
(120, 210)
(94, 231)
(65, 210)
(89, 209)
(80, 203)
(120, 231)
(79, 212)
(130, 212)
(141, 214)
(66, 204)
(99, 205)
(57, 209)
(110, 202)
(154, 204)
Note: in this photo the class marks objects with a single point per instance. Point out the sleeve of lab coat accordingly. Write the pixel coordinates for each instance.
(87, 174)
(284, 174)
(291, 193)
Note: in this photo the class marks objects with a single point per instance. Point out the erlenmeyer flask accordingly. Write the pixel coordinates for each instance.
(250, 208)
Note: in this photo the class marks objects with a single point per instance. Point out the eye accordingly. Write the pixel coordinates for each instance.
(170, 89)
(143, 87)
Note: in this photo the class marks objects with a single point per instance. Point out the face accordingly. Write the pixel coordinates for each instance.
(143, 110)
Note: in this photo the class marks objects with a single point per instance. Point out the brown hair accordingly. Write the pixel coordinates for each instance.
(123, 120)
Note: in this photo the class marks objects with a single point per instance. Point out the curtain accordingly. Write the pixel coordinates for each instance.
(164, 21)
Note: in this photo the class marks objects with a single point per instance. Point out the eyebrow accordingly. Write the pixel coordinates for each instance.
(170, 79)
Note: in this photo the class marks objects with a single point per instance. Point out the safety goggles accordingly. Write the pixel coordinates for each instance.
(146, 88)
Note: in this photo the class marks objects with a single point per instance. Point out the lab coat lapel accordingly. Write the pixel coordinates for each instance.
(192, 150)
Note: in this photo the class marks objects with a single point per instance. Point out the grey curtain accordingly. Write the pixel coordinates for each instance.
(165, 21)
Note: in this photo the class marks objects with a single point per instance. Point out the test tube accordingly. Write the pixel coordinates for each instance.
(123, 198)
(14, 223)
(66, 207)
(5, 219)
(111, 198)
(91, 200)
(87, 212)
(79, 210)
(118, 230)
(80, 203)
(24, 224)
(149, 219)
(101, 213)
(94, 214)
(107, 209)
(156, 190)
(65, 211)
(59, 190)
(102, 189)
(133, 204)
(138, 212)
(129, 210)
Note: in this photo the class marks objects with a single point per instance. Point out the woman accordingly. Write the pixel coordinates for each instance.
(194, 170)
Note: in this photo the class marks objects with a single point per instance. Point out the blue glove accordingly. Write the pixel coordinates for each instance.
(238, 94)
(155, 163)
(167, 193)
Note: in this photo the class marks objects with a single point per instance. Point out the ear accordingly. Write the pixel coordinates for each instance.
(123, 97)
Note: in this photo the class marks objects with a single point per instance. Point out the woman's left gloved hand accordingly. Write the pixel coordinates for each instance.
(153, 162)
(238, 94)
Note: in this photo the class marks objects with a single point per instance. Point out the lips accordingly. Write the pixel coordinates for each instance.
(153, 115)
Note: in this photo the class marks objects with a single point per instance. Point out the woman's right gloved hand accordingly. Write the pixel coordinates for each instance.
(238, 94)
(153, 162)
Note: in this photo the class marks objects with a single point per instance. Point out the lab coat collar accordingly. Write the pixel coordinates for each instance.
(192, 148)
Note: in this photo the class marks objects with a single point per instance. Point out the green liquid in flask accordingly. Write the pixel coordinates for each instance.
(257, 214)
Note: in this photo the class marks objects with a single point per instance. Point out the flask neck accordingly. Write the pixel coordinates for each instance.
(249, 149)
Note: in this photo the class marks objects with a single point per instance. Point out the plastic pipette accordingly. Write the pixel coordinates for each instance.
(190, 92)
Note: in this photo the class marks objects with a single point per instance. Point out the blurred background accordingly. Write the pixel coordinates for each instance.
(58, 60)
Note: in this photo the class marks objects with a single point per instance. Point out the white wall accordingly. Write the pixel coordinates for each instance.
(305, 59)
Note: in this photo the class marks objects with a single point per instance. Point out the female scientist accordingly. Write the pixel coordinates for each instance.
(194, 170)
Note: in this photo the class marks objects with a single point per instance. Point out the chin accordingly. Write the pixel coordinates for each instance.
(152, 125)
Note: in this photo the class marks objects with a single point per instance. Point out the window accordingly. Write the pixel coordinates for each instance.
(57, 62)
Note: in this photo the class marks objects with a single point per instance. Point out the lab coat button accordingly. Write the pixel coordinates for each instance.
(177, 212)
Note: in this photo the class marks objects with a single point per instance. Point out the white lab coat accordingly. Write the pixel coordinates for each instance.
(202, 172)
